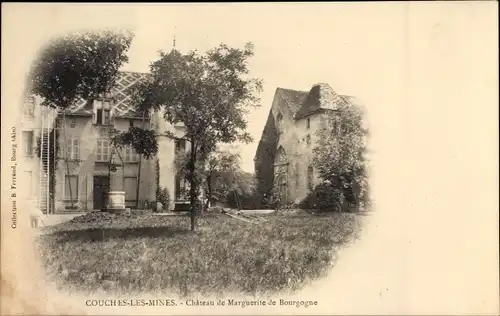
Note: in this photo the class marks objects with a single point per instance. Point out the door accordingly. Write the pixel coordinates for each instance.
(101, 188)
(281, 184)
(283, 191)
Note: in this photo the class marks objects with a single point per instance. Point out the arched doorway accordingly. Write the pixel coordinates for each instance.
(281, 175)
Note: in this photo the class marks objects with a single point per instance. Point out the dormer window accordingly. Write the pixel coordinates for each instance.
(102, 112)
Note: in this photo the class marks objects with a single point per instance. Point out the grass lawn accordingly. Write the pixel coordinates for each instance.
(148, 253)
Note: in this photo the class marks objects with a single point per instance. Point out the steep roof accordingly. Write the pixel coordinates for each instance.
(321, 97)
(293, 98)
(121, 92)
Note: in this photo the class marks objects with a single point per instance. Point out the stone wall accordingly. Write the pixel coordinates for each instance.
(297, 139)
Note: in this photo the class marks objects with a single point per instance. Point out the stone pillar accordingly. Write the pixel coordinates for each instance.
(116, 200)
(116, 195)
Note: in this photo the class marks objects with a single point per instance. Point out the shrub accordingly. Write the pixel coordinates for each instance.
(163, 197)
(265, 200)
(329, 197)
(324, 197)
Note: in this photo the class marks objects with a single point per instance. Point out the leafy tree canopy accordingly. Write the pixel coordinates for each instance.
(339, 156)
(142, 140)
(222, 173)
(78, 65)
(210, 93)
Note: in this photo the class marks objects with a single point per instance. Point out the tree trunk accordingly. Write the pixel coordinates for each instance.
(137, 190)
(193, 189)
(68, 173)
(209, 193)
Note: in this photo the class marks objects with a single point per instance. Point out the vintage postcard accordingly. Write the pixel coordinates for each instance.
(250, 158)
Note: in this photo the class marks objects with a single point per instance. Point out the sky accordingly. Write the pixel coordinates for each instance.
(296, 45)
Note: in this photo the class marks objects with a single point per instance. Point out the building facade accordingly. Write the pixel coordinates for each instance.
(87, 166)
(284, 157)
(29, 166)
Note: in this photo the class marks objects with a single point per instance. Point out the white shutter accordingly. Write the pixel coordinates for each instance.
(94, 113)
(99, 150)
(76, 148)
(130, 188)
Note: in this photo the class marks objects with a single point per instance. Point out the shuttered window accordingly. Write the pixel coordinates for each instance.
(130, 188)
(102, 150)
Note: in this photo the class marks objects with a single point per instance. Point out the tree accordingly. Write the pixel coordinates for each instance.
(221, 174)
(223, 178)
(79, 65)
(243, 191)
(210, 93)
(339, 156)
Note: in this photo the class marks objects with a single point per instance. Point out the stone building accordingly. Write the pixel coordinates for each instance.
(284, 157)
(83, 176)
(29, 165)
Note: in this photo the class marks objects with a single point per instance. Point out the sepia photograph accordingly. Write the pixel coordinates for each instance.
(247, 158)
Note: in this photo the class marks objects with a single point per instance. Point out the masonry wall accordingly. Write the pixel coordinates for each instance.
(28, 172)
(166, 155)
(88, 134)
(299, 150)
(264, 158)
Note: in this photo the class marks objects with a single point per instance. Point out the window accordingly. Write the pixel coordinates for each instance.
(310, 173)
(152, 122)
(72, 148)
(131, 155)
(102, 112)
(71, 188)
(177, 187)
(308, 123)
(72, 124)
(180, 187)
(28, 175)
(280, 123)
(130, 184)
(28, 143)
(323, 122)
(103, 150)
(308, 139)
(180, 145)
(29, 107)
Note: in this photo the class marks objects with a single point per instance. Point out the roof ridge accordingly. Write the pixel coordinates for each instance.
(295, 102)
(135, 72)
(294, 90)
